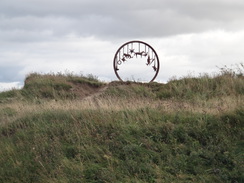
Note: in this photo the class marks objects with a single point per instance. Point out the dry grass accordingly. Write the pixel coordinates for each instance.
(95, 102)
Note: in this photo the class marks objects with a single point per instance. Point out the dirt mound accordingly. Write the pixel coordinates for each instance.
(52, 86)
(82, 91)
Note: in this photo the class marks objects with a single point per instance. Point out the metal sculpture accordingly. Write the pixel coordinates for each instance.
(134, 50)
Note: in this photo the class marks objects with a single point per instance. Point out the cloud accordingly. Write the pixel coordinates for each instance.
(199, 53)
(116, 19)
(70, 53)
(83, 36)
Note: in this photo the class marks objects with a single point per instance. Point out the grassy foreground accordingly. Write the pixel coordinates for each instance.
(66, 128)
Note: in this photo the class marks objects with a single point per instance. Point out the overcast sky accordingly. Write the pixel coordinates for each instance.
(82, 36)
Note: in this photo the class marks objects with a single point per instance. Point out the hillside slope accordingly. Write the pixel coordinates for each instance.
(67, 128)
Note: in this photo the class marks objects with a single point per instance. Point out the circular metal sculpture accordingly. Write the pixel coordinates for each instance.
(136, 57)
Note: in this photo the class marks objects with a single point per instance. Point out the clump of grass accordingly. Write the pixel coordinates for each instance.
(8, 96)
(7, 111)
(46, 86)
(236, 70)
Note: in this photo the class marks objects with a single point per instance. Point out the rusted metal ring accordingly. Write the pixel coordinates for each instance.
(124, 54)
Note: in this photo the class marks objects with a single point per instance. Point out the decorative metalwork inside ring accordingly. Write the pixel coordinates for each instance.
(136, 58)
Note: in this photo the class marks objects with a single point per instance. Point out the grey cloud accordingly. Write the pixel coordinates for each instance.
(32, 29)
(114, 19)
(216, 10)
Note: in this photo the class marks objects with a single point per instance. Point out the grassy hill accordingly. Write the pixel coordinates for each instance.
(68, 128)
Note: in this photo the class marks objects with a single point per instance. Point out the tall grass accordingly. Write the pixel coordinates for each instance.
(57, 86)
(229, 82)
(144, 145)
(67, 128)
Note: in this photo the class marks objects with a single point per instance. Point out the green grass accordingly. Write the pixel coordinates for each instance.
(56, 86)
(104, 146)
(51, 86)
(188, 130)
(228, 82)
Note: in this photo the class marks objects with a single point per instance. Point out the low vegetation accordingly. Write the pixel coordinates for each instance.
(68, 128)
